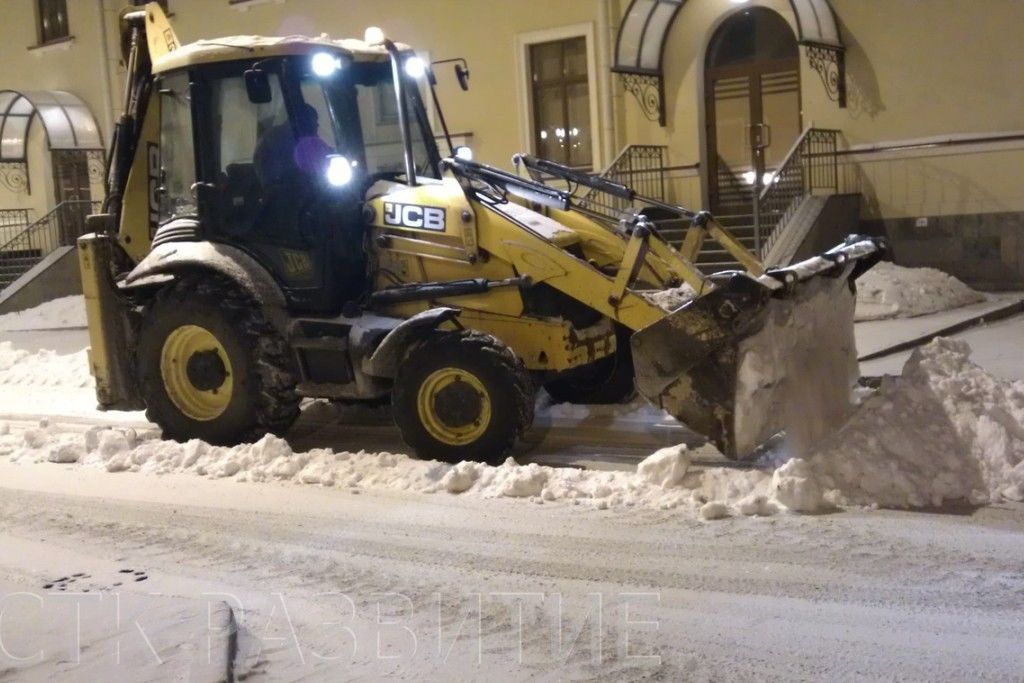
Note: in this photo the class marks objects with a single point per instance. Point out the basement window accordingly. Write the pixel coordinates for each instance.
(52, 17)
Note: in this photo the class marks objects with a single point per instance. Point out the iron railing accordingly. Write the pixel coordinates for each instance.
(812, 165)
(14, 218)
(641, 167)
(61, 227)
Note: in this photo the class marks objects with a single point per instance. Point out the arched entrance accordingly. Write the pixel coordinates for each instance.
(73, 159)
(752, 106)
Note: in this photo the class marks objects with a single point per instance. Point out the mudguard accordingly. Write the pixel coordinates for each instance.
(173, 258)
(385, 359)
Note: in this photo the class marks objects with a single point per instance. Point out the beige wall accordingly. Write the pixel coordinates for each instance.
(916, 68)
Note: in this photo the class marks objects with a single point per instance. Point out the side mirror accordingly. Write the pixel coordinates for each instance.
(257, 86)
(462, 74)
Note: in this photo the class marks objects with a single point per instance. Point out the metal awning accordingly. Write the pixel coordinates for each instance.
(817, 23)
(640, 48)
(66, 119)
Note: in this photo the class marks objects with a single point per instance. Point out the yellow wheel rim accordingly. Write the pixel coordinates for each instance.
(189, 357)
(454, 406)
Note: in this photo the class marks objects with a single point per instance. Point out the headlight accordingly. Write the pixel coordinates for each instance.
(415, 67)
(339, 170)
(324, 64)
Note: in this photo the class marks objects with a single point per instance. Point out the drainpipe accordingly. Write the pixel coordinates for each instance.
(605, 45)
(108, 90)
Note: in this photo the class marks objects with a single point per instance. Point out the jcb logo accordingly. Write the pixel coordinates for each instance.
(413, 216)
(153, 167)
(296, 263)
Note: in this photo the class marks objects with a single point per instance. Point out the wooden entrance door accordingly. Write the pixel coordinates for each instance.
(752, 105)
(72, 192)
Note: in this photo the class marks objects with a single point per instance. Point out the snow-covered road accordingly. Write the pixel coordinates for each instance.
(327, 583)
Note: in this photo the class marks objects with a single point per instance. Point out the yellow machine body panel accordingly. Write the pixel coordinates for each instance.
(142, 199)
(430, 233)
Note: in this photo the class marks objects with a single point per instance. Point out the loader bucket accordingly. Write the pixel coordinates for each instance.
(752, 359)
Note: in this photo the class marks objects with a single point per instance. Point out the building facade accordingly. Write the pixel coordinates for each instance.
(754, 109)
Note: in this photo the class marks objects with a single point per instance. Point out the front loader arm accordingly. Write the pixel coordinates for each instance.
(543, 261)
(702, 224)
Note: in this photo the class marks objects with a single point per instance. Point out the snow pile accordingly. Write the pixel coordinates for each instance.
(891, 291)
(58, 314)
(43, 368)
(944, 431)
(272, 459)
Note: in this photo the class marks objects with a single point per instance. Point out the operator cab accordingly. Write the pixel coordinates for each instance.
(289, 146)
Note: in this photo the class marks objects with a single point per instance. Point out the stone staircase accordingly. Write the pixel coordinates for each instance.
(61, 227)
(14, 264)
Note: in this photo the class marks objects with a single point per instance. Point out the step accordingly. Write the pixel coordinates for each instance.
(18, 260)
(20, 265)
(6, 257)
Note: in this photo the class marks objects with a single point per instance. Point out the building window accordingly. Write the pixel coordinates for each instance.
(53, 20)
(560, 91)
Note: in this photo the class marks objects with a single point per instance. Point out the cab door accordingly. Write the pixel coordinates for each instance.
(262, 183)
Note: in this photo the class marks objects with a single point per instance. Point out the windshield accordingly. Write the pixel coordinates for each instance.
(378, 114)
(365, 110)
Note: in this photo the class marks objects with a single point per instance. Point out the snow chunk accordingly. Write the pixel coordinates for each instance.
(716, 509)
(891, 291)
(671, 299)
(517, 481)
(461, 477)
(65, 452)
(665, 467)
(794, 486)
(757, 505)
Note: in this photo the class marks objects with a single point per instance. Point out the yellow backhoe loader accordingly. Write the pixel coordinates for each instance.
(279, 223)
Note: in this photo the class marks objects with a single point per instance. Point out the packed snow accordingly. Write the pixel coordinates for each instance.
(64, 313)
(672, 298)
(43, 368)
(891, 291)
(944, 431)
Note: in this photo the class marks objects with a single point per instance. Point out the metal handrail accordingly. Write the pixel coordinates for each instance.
(934, 144)
(14, 217)
(67, 219)
(811, 164)
(641, 167)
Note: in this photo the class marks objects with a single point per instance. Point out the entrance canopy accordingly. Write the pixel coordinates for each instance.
(68, 123)
(640, 48)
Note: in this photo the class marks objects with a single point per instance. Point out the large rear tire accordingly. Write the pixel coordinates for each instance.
(462, 396)
(212, 367)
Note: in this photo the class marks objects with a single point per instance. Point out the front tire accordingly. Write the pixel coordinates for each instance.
(462, 396)
(212, 367)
